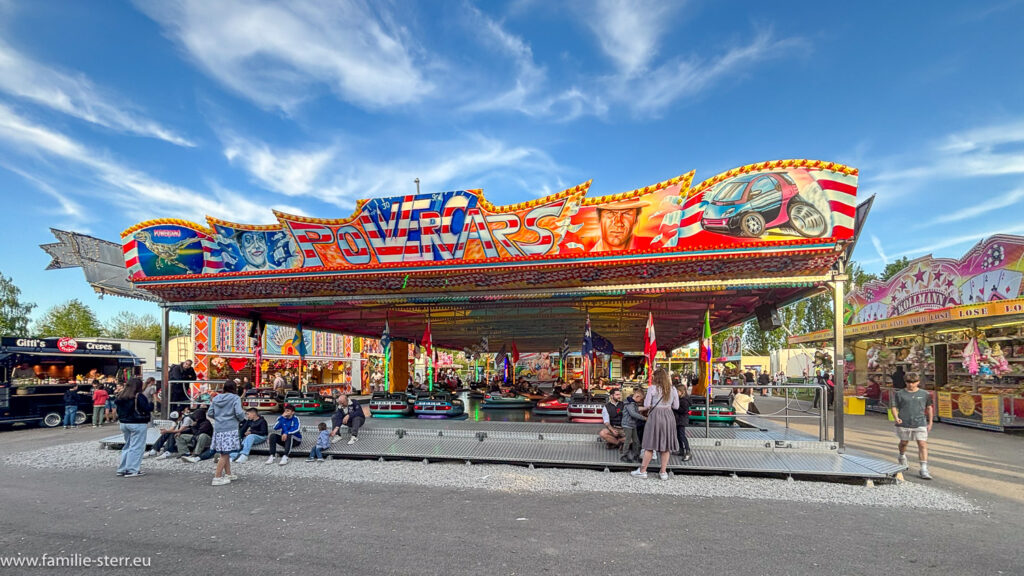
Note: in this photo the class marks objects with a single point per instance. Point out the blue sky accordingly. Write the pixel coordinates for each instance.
(112, 113)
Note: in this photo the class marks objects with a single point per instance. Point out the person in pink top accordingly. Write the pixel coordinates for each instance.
(99, 403)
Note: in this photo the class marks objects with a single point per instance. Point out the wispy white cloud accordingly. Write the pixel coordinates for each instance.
(440, 165)
(279, 54)
(529, 93)
(878, 248)
(137, 193)
(690, 77)
(75, 216)
(289, 172)
(973, 211)
(629, 31)
(75, 95)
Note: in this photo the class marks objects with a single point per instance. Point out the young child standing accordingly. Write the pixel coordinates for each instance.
(323, 441)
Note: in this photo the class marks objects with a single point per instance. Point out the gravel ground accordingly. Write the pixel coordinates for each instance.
(511, 479)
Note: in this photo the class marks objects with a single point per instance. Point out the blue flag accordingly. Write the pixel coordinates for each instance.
(385, 338)
(300, 341)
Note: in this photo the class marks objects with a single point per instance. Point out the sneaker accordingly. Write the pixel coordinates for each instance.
(319, 460)
(135, 474)
(687, 456)
(353, 440)
(663, 475)
(149, 454)
(924, 474)
(231, 477)
(221, 481)
(284, 460)
(242, 459)
(192, 459)
(119, 473)
(902, 460)
(638, 474)
(335, 439)
(270, 460)
(310, 459)
(165, 456)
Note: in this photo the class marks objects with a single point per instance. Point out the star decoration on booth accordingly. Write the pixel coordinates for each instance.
(919, 275)
(937, 277)
(903, 286)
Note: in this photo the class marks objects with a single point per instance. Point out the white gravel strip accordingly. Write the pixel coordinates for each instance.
(516, 479)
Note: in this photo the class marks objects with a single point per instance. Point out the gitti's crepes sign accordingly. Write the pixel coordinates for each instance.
(773, 202)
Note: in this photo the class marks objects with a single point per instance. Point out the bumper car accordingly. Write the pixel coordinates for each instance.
(499, 401)
(304, 403)
(553, 405)
(391, 405)
(586, 407)
(720, 414)
(261, 400)
(438, 405)
(327, 404)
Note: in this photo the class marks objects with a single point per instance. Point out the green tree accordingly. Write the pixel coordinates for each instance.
(893, 268)
(13, 312)
(140, 327)
(858, 277)
(71, 318)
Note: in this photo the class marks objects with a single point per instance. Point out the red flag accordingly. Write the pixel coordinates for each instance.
(650, 348)
(428, 344)
(515, 353)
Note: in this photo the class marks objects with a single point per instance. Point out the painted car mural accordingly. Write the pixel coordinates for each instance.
(751, 204)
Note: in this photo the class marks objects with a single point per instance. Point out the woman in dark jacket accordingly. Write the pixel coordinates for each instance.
(133, 411)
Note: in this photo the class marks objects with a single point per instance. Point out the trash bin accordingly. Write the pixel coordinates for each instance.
(854, 405)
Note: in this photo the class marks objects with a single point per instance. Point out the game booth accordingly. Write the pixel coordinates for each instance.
(452, 269)
(959, 323)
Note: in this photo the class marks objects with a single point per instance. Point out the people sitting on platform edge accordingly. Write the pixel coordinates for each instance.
(743, 402)
(198, 442)
(252, 431)
(165, 445)
(349, 413)
(323, 442)
(632, 415)
(611, 415)
(682, 413)
(197, 439)
(287, 433)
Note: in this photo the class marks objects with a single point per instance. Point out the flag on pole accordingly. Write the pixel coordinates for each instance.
(428, 344)
(565, 348)
(300, 342)
(385, 337)
(706, 354)
(258, 353)
(515, 353)
(650, 348)
(587, 351)
(500, 357)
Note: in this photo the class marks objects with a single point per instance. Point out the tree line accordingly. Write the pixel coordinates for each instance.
(74, 318)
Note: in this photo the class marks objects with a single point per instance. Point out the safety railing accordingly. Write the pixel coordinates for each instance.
(787, 412)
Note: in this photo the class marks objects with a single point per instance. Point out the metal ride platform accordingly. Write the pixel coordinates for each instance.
(764, 449)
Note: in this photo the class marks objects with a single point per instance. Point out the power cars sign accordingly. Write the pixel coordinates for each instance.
(775, 202)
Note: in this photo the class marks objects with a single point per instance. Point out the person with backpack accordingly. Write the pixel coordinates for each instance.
(133, 413)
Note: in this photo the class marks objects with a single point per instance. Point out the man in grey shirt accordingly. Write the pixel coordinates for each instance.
(913, 412)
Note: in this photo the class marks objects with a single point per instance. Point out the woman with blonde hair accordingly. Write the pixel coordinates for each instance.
(660, 431)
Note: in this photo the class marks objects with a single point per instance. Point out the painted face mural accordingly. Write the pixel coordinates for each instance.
(617, 225)
(254, 249)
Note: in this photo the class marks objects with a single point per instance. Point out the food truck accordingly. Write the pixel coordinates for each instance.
(35, 373)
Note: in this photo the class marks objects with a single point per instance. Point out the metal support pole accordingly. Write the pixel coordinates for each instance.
(838, 288)
(165, 367)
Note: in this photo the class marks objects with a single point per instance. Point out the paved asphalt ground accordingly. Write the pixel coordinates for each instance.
(262, 526)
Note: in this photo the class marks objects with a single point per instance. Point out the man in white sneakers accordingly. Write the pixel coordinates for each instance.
(913, 412)
(287, 433)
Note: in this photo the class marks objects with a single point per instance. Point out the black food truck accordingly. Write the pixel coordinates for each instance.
(35, 373)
